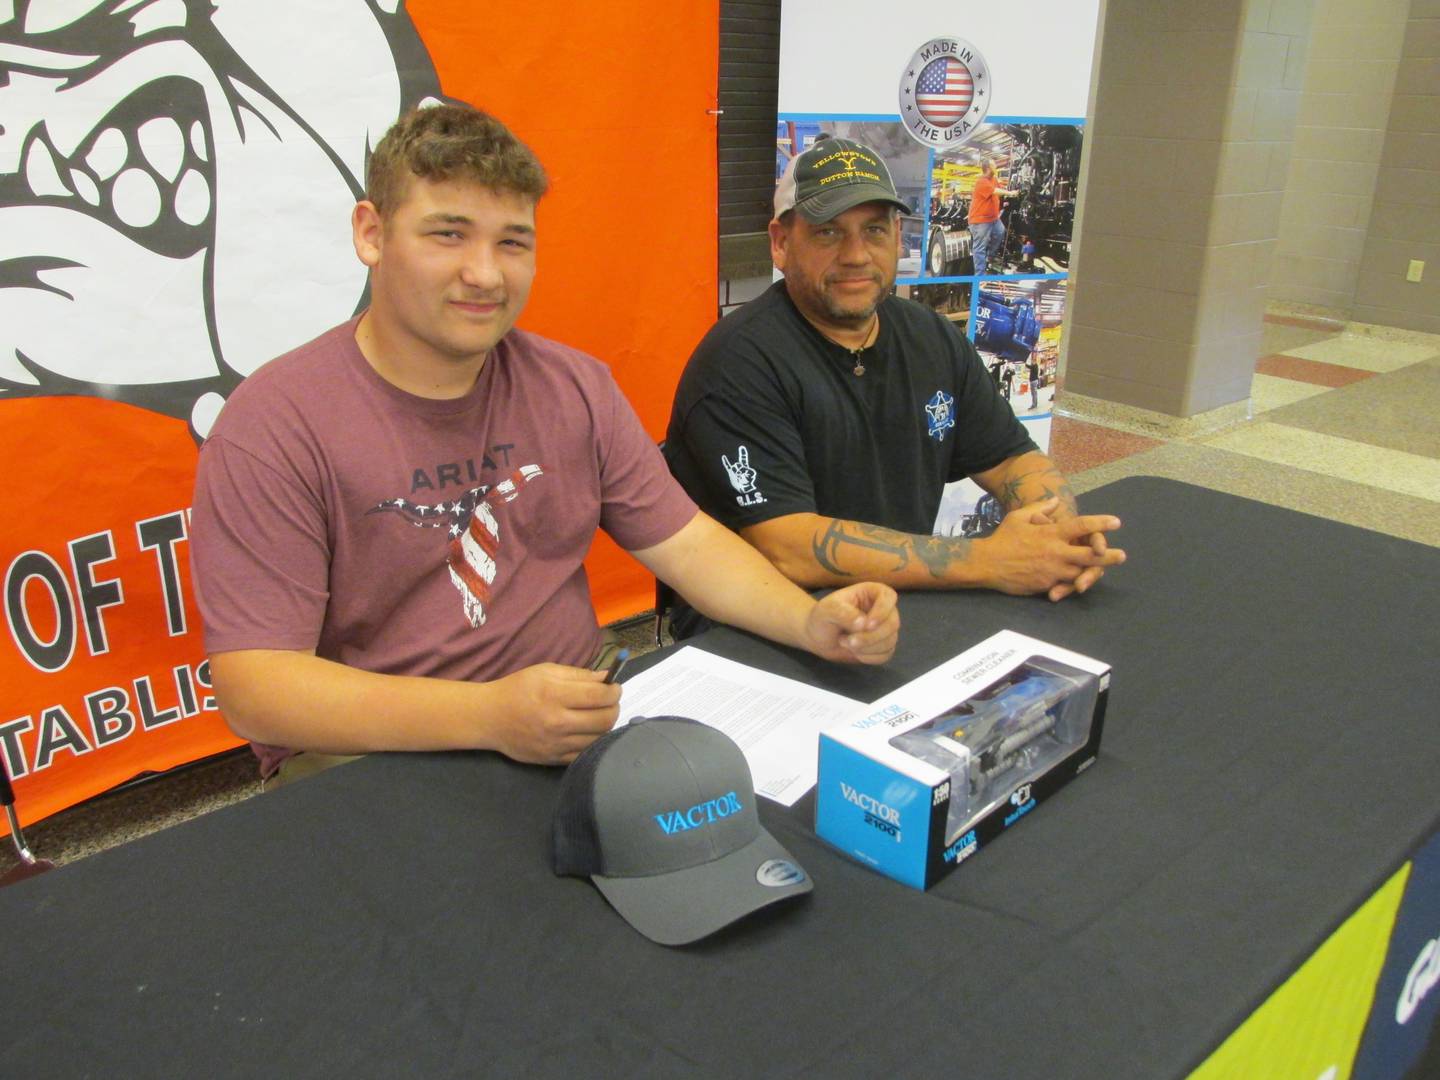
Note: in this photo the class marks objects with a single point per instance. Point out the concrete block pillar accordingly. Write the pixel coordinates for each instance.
(1194, 107)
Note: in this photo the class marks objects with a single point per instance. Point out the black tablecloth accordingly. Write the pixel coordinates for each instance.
(1269, 758)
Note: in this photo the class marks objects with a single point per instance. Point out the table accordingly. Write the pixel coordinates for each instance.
(1269, 759)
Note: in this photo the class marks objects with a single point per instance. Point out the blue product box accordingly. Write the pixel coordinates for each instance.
(924, 777)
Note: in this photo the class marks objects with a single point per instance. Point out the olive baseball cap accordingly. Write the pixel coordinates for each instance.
(833, 176)
(660, 815)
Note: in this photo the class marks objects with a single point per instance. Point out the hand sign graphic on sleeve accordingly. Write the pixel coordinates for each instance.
(742, 476)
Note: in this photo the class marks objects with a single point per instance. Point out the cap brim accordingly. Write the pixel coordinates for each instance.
(686, 905)
(831, 204)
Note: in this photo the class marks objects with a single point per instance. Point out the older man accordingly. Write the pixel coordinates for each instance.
(390, 521)
(823, 420)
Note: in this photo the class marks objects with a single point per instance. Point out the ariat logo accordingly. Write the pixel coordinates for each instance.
(473, 535)
(699, 815)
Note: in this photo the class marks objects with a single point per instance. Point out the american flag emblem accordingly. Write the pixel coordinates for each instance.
(473, 533)
(944, 91)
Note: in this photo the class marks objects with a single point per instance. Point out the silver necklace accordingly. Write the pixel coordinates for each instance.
(859, 368)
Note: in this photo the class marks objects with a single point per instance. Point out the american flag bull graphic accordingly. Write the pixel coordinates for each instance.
(474, 534)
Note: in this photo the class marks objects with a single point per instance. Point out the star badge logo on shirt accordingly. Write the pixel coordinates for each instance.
(941, 413)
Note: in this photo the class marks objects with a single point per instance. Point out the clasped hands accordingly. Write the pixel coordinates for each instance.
(1042, 547)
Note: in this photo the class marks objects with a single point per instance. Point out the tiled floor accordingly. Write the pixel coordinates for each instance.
(1344, 425)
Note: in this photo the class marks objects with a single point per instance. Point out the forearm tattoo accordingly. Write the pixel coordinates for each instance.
(1036, 485)
(936, 553)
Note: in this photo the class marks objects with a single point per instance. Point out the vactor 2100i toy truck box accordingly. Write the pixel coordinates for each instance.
(915, 785)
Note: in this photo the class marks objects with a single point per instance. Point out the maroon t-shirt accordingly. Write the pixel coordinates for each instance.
(404, 535)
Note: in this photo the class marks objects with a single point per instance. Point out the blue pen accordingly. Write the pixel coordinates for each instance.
(616, 665)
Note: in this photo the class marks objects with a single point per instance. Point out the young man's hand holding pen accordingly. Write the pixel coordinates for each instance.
(552, 711)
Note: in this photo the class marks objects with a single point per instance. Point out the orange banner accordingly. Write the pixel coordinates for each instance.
(175, 214)
(104, 676)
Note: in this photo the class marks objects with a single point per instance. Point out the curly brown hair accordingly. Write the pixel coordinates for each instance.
(450, 142)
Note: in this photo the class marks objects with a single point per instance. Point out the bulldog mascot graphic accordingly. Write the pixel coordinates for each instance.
(175, 176)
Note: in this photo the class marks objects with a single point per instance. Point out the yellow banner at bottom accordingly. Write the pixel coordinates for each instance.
(1310, 1028)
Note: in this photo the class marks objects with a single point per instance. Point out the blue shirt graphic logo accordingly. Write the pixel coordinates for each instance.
(941, 411)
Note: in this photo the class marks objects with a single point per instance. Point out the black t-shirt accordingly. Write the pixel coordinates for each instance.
(770, 419)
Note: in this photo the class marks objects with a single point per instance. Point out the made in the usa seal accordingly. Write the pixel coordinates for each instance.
(944, 92)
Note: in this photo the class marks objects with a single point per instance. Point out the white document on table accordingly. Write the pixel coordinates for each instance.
(776, 721)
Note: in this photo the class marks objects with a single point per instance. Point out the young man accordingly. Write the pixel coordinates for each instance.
(389, 522)
(823, 419)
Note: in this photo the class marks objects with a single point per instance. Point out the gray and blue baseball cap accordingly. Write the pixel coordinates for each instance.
(660, 815)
